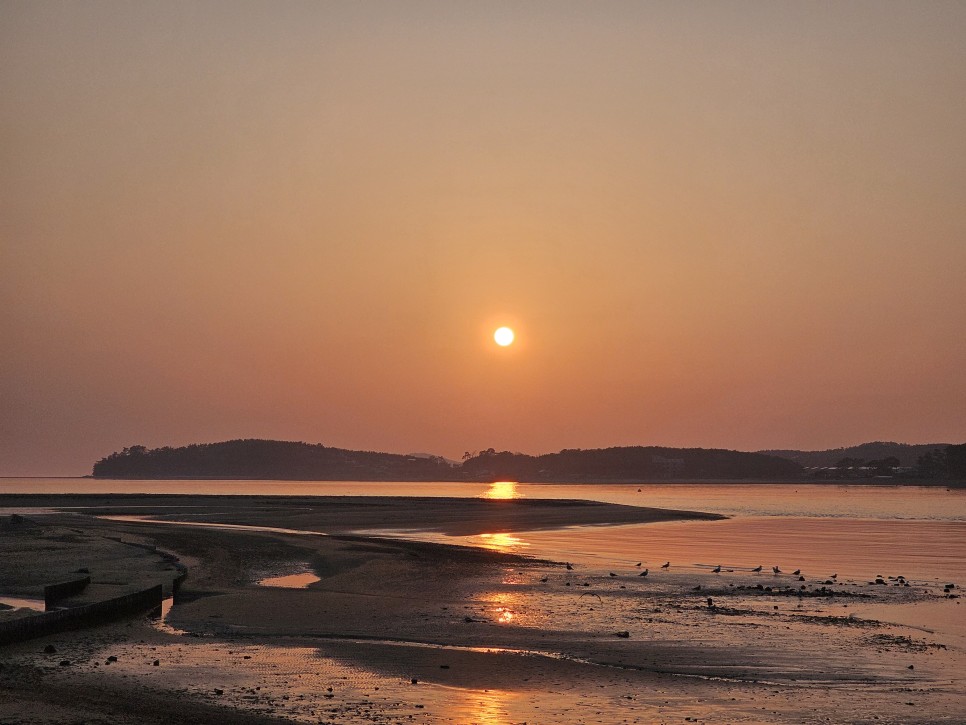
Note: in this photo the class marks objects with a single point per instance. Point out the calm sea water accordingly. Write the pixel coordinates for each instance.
(857, 532)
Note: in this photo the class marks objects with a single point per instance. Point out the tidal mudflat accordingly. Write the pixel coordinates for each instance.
(387, 630)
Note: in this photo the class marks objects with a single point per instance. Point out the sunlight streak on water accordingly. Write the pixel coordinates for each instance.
(502, 490)
(507, 543)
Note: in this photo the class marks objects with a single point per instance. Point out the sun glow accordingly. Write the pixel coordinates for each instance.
(501, 490)
(504, 336)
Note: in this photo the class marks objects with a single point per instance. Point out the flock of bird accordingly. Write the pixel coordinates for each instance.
(716, 570)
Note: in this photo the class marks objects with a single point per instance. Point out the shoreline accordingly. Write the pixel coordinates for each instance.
(441, 633)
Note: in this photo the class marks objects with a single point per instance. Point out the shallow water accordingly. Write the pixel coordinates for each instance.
(860, 549)
(759, 499)
(37, 605)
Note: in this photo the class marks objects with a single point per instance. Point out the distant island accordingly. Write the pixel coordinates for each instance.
(288, 460)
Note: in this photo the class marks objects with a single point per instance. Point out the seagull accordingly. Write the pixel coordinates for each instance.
(776, 570)
(639, 563)
(643, 573)
(613, 574)
(710, 603)
(593, 594)
(796, 572)
(757, 569)
(570, 566)
(544, 579)
(666, 565)
(717, 569)
(834, 576)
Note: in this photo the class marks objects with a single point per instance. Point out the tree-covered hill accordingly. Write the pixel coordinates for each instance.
(632, 463)
(261, 459)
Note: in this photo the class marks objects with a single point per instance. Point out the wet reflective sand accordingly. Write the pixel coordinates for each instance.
(493, 640)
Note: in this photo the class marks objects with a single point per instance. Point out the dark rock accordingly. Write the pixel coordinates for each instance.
(624, 634)
(156, 663)
(50, 649)
(65, 663)
(414, 681)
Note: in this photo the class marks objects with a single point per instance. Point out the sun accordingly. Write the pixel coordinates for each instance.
(504, 336)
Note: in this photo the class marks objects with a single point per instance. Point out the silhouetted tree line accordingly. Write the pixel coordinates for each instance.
(940, 463)
(261, 459)
(634, 463)
(907, 454)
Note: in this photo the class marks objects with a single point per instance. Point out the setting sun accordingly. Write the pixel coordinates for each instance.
(503, 336)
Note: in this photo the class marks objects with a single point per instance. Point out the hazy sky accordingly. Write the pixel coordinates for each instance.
(735, 225)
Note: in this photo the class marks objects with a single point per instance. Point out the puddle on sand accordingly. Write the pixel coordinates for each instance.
(159, 618)
(290, 581)
(36, 605)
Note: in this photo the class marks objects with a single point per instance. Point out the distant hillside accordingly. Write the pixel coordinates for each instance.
(635, 463)
(908, 455)
(260, 459)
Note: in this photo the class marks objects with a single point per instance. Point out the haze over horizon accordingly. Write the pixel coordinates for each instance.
(709, 225)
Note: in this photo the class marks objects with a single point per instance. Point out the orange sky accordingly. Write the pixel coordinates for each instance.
(711, 224)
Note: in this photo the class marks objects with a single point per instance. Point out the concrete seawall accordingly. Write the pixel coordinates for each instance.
(38, 625)
(53, 593)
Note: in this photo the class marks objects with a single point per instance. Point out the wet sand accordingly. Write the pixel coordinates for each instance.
(487, 637)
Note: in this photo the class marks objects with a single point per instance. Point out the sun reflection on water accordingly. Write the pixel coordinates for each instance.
(502, 490)
(500, 542)
(491, 707)
(504, 607)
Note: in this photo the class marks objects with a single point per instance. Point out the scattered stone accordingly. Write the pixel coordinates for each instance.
(444, 667)
(624, 634)
(50, 649)
(111, 659)
(65, 663)
(414, 681)
(219, 691)
(156, 663)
